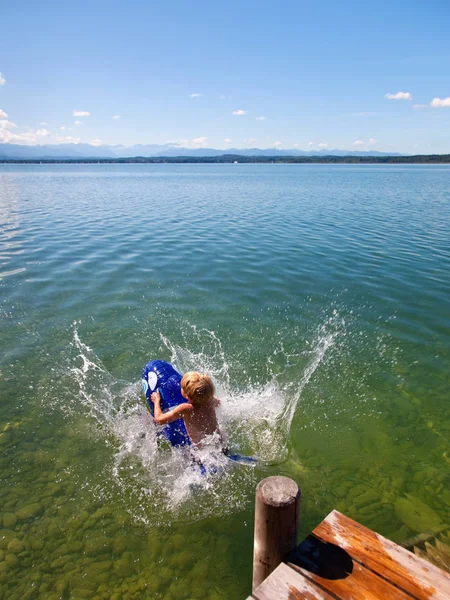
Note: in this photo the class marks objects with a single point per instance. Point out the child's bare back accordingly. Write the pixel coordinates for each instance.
(202, 421)
(198, 413)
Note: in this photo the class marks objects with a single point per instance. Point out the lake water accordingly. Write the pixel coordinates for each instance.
(317, 297)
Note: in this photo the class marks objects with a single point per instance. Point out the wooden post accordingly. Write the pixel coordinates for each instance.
(276, 524)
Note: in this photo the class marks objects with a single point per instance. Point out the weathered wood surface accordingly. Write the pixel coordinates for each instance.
(358, 584)
(418, 578)
(342, 559)
(285, 584)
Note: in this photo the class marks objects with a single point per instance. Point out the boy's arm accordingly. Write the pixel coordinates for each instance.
(171, 415)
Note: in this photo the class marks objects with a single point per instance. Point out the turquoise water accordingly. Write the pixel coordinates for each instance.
(316, 296)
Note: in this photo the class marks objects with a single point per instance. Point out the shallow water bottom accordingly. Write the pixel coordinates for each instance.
(94, 507)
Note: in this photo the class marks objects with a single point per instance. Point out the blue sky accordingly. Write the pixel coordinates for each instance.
(228, 74)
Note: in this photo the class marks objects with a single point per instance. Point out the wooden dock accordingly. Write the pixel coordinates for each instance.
(342, 559)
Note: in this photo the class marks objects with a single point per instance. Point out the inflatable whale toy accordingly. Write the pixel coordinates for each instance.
(161, 376)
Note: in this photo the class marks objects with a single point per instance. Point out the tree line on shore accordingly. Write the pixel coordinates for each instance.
(235, 158)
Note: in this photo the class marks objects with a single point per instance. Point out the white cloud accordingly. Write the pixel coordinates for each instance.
(97, 142)
(27, 137)
(78, 123)
(440, 102)
(399, 96)
(3, 114)
(196, 95)
(320, 145)
(4, 124)
(68, 139)
(277, 144)
(240, 112)
(251, 141)
(116, 117)
(43, 123)
(296, 145)
(2, 79)
(260, 118)
(227, 140)
(62, 128)
(81, 113)
(200, 142)
(419, 106)
(362, 143)
(6, 137)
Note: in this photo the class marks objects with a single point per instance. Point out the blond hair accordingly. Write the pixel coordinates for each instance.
(198, 387)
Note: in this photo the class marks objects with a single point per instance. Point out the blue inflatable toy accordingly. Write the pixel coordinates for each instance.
(161, 376)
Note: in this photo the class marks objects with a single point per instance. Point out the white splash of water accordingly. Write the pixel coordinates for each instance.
(325, 340)
(254, 421)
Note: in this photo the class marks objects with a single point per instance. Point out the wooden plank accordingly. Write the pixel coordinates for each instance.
(410, 573)
(285, 584)
(333, 570)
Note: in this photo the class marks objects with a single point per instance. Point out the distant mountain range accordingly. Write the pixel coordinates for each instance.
(82, 151)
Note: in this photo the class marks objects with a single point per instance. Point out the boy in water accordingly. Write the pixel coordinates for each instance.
(199, 410)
